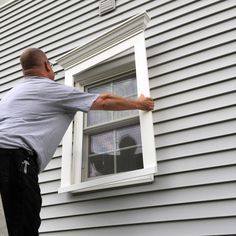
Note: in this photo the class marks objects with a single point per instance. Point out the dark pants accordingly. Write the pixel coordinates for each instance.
(20, 192)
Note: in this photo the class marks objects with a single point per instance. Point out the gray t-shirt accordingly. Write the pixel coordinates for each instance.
(36, 113)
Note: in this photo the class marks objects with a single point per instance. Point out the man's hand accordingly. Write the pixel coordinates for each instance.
(146, 103)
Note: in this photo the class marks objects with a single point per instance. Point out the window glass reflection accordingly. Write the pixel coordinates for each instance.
(129, 159)
(101, 165)
(125, 88)
(128, 136)
(115, 151)
(101, 143)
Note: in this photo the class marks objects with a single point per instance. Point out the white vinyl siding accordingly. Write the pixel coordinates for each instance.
(192, 68)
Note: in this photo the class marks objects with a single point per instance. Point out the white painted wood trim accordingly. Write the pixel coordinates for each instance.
(147, 131)
(102, 56)
(77, 149)
(66, 169)
(125, 178)
(118, 34)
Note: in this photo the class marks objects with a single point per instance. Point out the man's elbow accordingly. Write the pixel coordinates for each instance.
(101, 103)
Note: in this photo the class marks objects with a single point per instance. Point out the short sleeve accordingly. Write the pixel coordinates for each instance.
(78, 101)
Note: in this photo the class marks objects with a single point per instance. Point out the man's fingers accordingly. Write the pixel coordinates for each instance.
(147, 102)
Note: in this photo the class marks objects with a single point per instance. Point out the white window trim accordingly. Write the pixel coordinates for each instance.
(129, 34)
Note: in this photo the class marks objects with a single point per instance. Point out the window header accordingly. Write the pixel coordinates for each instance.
(120, 33)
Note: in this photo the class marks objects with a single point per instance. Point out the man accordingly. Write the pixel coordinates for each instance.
(34, 116)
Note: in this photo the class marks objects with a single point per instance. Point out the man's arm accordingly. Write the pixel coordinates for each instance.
(116, 103)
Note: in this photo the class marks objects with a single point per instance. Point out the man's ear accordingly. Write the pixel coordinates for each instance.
(46, 66)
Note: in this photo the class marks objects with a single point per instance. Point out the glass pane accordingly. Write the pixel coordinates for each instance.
(125, 88)
(101, 165)
(101, 143)
(127, 113)
(98, 117)
(104, 88)
(123, 114)
(129, 151)
(128, 136)
(129, 159)
(103, 159)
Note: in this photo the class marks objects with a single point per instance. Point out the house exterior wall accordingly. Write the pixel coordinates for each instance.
(3, 226)
(191, 61)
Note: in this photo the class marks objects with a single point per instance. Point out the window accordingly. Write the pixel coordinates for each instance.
(104, 149)
(112, 147)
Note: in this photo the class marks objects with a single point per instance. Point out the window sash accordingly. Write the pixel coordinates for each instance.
(111, 125)
(135, 163)
(112, 85)
(121, 85)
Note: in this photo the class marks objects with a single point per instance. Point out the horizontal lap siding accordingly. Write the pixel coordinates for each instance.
(183, 228)
(191, 59)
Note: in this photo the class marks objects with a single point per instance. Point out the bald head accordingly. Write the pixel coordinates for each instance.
(34, 62)
(32, 58)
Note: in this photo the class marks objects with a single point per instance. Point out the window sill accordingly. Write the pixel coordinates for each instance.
(117, 180)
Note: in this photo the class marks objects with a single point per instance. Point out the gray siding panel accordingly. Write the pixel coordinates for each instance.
(144, 200)
(177, 228)
(192, 69)
(154, 214)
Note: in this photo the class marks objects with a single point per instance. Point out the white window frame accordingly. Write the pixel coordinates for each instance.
(129, 34)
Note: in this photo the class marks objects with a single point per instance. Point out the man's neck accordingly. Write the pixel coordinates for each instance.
(35, 73)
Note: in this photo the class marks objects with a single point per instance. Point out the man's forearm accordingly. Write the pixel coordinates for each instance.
(117, 103)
